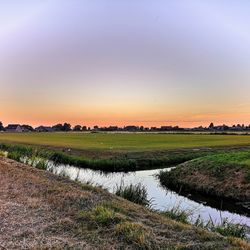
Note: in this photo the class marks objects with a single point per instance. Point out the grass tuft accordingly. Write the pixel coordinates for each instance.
(230, 229)
(224, 228)
(177, 214)
(135, 193)
(100, 216)
(133, 233)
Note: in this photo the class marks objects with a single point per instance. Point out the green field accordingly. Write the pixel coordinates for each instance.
(224, 175)
(125, 141)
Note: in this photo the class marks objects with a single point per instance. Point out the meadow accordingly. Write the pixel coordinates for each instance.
(125, 141)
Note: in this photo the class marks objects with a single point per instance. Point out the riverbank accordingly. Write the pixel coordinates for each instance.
(224, 175)
(112, 161)
(41, 210)
(121, 162)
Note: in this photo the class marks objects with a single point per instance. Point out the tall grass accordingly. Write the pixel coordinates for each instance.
(225, 227)
(177, 214)
(16, 152)
(109, 165)
(122, 164)
(135, 193)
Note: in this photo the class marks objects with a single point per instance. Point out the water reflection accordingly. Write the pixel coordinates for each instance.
(162, 198)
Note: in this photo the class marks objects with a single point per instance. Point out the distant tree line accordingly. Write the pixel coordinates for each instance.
(66, 127)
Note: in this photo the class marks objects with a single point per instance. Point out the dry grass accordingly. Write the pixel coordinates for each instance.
(39, 210)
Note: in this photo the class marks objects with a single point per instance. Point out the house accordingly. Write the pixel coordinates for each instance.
(44, 129)
(14, 128)
(166, 128)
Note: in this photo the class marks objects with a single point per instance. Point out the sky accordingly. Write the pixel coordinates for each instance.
(109, 62)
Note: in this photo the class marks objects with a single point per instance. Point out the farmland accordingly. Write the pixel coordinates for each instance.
(126, 141)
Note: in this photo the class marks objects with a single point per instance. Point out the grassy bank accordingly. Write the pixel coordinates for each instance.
(122, 163)
(48, 211)
(224, 175)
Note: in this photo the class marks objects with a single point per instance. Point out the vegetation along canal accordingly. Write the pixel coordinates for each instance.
(162, 198)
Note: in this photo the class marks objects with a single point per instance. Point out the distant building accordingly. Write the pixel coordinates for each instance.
(166, 128)
(153, 129)
(111, 128)
(14, 128)
(44, 129)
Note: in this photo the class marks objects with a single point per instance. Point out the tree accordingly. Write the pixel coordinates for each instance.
(77, 128)
(1, 126)
(211, 125)
(84, 128)
(66, 127)
(58, 127)
(28, 127)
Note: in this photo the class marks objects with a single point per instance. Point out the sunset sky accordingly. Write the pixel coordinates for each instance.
(110, 62)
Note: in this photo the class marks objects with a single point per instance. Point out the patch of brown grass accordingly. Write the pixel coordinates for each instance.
(41, 210)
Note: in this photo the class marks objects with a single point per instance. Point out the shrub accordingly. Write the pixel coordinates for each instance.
(135, 193)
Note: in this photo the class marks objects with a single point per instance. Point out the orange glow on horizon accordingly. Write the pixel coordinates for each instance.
(185, 121)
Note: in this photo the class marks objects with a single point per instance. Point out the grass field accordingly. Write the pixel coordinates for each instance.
(125, 141)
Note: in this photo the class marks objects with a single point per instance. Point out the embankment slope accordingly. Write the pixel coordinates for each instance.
(41, 210)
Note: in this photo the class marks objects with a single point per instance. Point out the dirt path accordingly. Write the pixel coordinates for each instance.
(39, 210)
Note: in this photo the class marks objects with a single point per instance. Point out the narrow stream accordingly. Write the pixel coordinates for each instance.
(162, 198)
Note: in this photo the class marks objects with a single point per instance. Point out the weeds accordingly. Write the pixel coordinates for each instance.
(100, 216)
(108, 165)
(177, 214)
(132, 233)
(16, 156)
(227, 228)
(122, 164)
(42, 164)
(224, 228)
(135, 193)
(3, 153)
